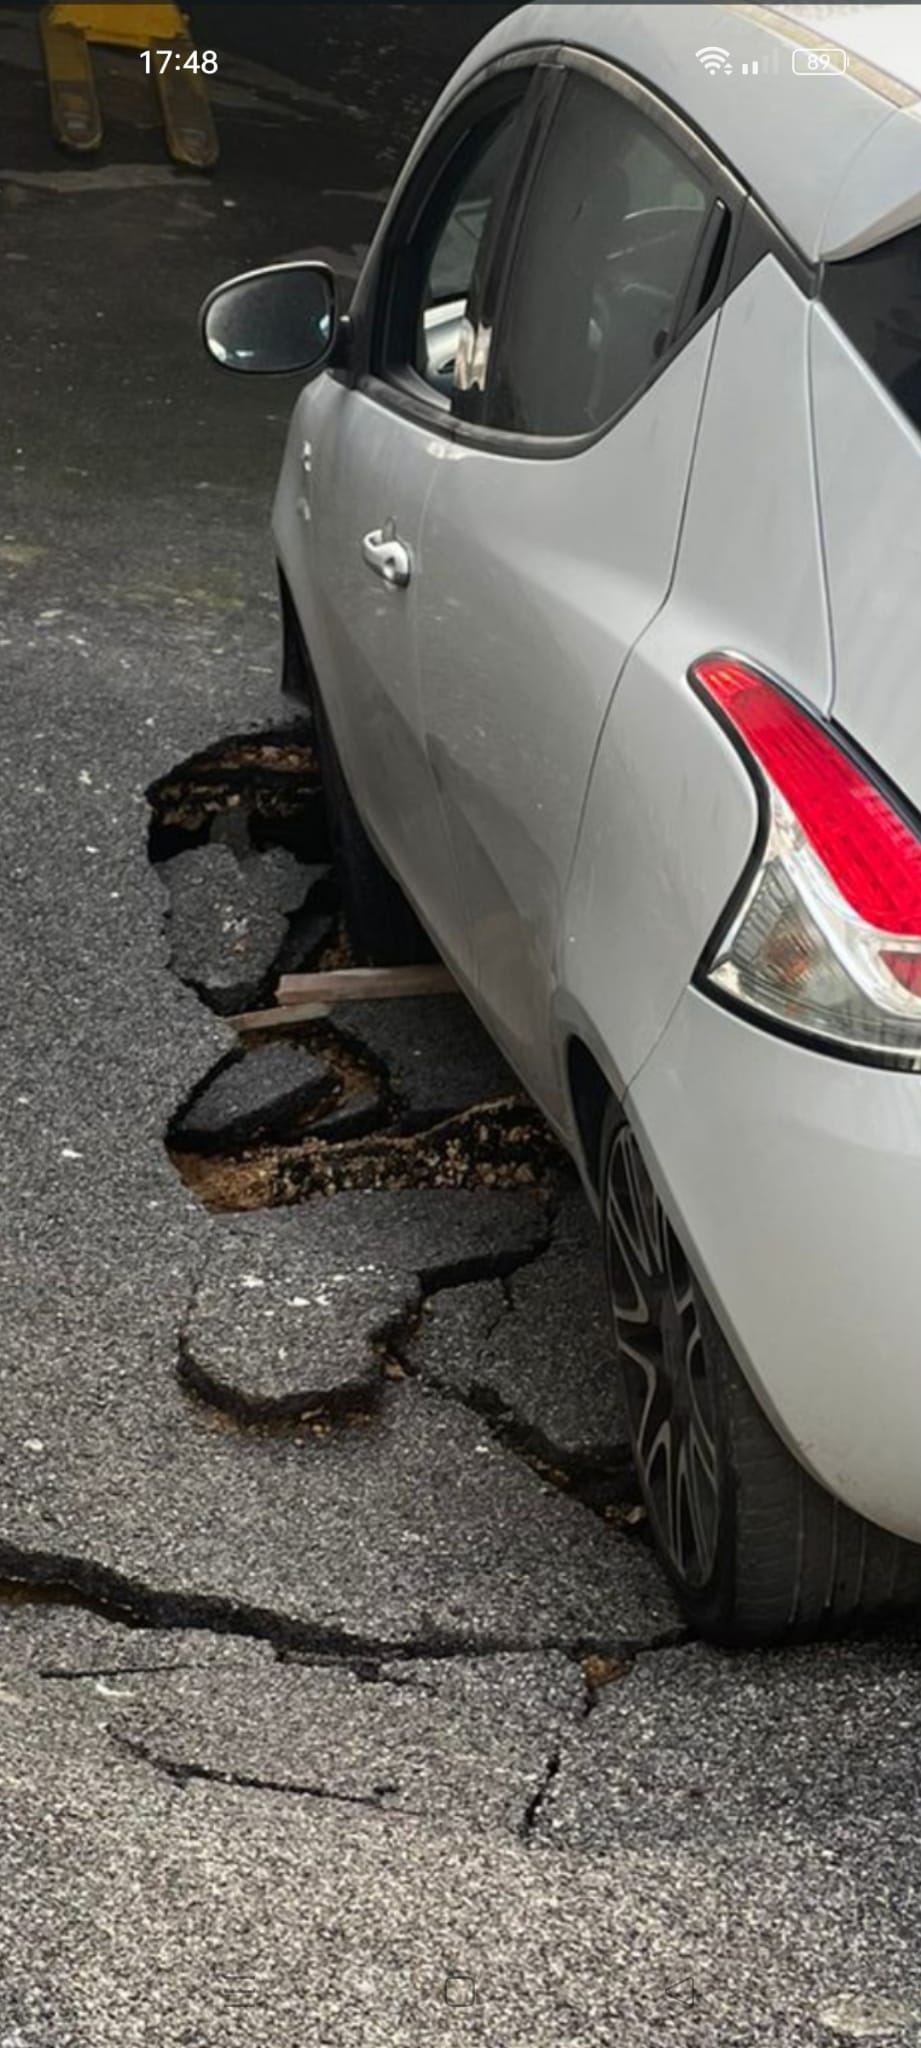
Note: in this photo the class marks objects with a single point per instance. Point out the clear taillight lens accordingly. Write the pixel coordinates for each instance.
(828, 937)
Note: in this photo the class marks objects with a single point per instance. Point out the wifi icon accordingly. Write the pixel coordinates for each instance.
(713, 58)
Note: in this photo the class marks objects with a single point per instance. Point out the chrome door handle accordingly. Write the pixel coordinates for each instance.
(388, 556)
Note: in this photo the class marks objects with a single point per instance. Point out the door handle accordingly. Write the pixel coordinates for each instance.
(388, 556)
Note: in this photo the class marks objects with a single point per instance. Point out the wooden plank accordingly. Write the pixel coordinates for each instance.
(364, 985)
(276, 1019)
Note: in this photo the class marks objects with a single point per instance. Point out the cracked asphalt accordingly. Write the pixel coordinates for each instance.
(379, 1726)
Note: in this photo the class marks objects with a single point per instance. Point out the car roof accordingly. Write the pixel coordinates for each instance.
(885, 40)
(795, 138)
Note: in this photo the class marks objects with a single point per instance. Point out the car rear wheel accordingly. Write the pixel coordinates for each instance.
(755, 1547)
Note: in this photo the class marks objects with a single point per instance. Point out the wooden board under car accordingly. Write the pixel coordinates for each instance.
(300, 998)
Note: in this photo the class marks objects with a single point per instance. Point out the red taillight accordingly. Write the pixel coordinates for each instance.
(872, 856)
(826, 940)
(906, 967)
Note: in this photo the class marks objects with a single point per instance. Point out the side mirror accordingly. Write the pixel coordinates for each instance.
(270, 322)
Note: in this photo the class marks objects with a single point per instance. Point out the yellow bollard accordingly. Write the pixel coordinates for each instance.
(68, 27)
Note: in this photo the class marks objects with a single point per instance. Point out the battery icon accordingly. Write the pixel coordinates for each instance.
(819, 63)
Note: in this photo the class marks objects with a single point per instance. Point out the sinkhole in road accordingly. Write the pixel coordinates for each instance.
(238, 834)
(271, 779)
(385, 1097)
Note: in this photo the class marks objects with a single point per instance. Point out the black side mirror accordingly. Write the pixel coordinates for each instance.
(273, 321)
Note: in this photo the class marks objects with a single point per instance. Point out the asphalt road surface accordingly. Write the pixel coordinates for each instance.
(379, 1727)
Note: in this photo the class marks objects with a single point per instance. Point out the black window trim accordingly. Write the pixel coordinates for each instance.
(496, 84)
(428, 157)
(751, 234)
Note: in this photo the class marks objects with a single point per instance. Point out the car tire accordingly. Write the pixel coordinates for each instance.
(382, 927)
(756, 1549)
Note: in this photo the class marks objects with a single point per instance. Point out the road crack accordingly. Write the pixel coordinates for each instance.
(607, 1490)
(532, 1811)
(71, 1675)
(42, 1579)
(183, 1774)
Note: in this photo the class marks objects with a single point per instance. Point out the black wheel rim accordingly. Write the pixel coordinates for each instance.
(669, 1391)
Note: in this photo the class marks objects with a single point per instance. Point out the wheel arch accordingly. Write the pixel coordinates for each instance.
(589, 1091)
(298, 676)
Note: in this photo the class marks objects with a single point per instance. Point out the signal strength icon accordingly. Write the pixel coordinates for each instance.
(713, 58)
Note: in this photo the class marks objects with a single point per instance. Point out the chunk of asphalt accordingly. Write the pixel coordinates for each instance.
(541, 1354)
(294, 1304)
(353, 1118)
(224, 927)
(290, 881)
(693, 1748)
(231, 828)
(421, 1533)
(437, 1056)
(451, 1345)
(459, 1740)
(258, 1096)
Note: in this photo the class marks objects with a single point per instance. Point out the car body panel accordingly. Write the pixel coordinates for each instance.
(369, 465)
(536, 578)
(880, 194)
(869, 472)
(879, 35)
(751, 573)
(669, 824)
(670, 817)
(793, 1180)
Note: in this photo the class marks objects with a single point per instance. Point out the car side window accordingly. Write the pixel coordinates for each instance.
(435, 271)
(602, 259)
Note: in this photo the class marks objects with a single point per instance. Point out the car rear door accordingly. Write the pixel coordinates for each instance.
(372, 443)
(549, 538)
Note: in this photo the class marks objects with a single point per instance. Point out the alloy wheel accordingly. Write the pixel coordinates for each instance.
(670, 1397)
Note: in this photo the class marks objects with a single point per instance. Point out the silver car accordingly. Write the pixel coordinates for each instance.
(599, 530)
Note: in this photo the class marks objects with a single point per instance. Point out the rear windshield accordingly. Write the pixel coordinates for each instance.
(876, 298)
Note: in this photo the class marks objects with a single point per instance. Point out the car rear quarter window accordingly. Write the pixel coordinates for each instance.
(597, 279)
(876, 299)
